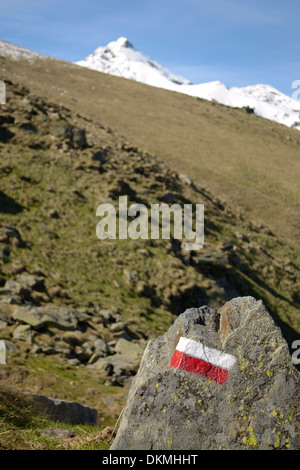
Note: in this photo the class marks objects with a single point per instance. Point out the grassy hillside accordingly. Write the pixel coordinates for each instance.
(63, 152)
(249, 162)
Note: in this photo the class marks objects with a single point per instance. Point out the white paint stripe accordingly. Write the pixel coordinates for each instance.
(198, 350)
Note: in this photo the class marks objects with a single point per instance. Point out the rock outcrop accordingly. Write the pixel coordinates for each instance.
(257, 407)
(63, 411)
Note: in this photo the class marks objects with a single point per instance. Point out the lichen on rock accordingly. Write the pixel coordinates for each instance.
(256, 408)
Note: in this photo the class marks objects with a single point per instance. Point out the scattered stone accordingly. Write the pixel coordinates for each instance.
(59, 292)
(120, 188)
(83, 353)
(143, 289)
(53, 214)
(36, 349)
(3, 324)
(49, 231)
(74, 362)
(23, 333)
(12, 236)
(130, 277)
(107, 316)
(78, 138)
(118, 327)
(8, 299)
(52, 315)
(10, 346)
(16, 288)
(120, 367)
(211, 261)
(17, 269)
(29, 281)
(5, 254)
(48, 350)
(58, 433)
(185, 179)
(129, 348)
(73, 338)
(4, 313)
(101, 346)
(64, 411)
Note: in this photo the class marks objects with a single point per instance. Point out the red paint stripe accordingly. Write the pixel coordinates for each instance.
(197, 366)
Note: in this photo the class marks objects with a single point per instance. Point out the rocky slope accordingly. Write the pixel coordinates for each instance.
(75, 312)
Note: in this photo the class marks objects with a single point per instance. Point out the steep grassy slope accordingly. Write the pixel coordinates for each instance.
(64, 154)
(251, 163)
(51, 185)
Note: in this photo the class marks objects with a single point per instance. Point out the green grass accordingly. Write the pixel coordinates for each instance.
(244, 159)
(22, 429)
(234, 155)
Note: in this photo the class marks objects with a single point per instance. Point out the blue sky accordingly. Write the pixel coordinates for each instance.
(237, 42)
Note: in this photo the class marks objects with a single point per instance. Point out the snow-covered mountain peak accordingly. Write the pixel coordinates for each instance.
(122, 59)
(121, 42)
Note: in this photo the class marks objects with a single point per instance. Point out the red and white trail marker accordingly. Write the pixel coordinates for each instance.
(193, 356)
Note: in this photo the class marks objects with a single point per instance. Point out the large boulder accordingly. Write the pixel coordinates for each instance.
(232, 385)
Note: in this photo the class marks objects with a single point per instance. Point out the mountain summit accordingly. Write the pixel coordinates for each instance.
(122, 59)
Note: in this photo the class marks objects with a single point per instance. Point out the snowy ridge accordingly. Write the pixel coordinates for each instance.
(122, 59)
(16, 52)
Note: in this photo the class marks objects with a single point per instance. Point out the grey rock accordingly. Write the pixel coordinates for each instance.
(10, 346)
(5, 253)
(95, 357)
(211, 261)
(58, 433)
(84, 352)
(3, 324)
(130, 277)
(258, 407)
(118, 327)
(48, 230)
(6, 298)
(74, 362)
(59, 317)
(49, 350)
(36, 349)
(129, 348)
(16, 288)
(117, 365)
(101, 346)
(27, 280)
(107, 316)
(4, 313)
(63, 411)
(24, 333)
(78, 137)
